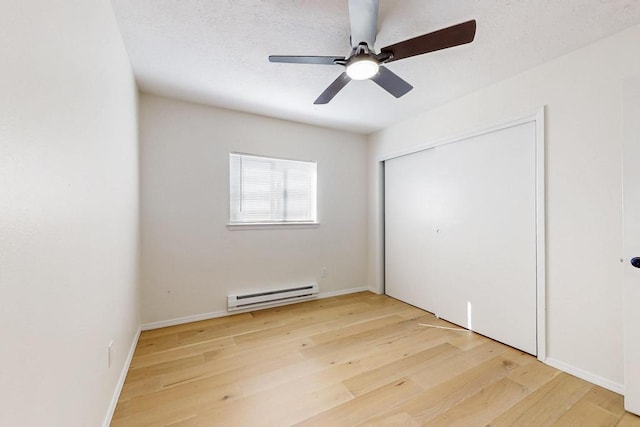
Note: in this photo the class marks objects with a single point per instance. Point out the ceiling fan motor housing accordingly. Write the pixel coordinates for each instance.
(364, 64)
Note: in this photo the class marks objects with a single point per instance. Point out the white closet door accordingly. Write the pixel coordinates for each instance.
(476, 234)
(411, 212)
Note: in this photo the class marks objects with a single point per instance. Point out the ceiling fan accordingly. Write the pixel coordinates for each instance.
(363, 63)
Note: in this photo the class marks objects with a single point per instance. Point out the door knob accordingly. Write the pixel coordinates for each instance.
(636, 262)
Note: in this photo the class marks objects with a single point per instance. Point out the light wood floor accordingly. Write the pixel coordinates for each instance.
(360, 359)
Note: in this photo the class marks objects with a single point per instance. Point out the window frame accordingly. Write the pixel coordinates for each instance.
(248, 225)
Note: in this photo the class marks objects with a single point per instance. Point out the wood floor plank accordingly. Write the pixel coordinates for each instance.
(172, 330)
(357, 359)
(538, 409)
(345, 334)
(483, 406)
(158, 369)
(446, 369)
(170, 355)
(403, 346)
(184, 384)
(607, 400)
(367, 406)
(629, 420)
(201, 334)
(334, 322)
(275, 410)
(534, 375)
(372, 379)
(303, 397)
(467, 340)
(437, 400)
(401, 419)
(362, 338)
(584, 413)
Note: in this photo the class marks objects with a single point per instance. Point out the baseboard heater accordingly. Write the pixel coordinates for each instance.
(272, 297)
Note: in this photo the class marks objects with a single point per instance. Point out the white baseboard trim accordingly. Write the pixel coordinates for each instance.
(120, 384)
(222, 313)
(587, 376)
(342, 292)
(186, 319)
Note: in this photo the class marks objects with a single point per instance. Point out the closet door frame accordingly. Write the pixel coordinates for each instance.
(538, 119)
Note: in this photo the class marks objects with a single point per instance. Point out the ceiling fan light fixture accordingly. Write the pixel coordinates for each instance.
(363, 63)
(362, 68)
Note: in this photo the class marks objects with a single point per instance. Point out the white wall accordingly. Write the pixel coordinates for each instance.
(68, 211)
(582, 94)
(190, 259)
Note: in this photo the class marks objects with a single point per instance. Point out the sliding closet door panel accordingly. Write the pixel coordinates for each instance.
(410, 215)
(460, 233)
(487, 235)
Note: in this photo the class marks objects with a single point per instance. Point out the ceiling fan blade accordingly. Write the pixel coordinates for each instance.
(391, 82)
(441, 39)
(363, 18)
(333, 89)
(293, 59)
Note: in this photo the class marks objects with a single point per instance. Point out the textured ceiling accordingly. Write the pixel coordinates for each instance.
(215, 51)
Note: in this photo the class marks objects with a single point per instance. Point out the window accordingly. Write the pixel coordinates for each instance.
(269, 190)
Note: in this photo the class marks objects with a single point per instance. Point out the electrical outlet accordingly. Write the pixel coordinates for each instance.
(109, 353)
(323, 272)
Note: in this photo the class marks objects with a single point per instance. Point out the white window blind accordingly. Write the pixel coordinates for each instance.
(270, 190)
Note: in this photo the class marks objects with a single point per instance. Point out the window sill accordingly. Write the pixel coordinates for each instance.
(271, 225)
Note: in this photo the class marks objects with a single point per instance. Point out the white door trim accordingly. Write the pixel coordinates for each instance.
(541, 259)
(630, 247)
